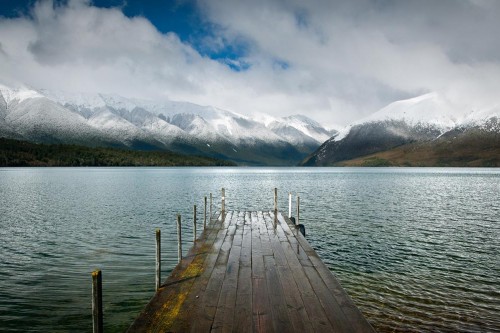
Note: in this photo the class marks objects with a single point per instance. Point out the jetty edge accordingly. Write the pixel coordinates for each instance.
(251, 272)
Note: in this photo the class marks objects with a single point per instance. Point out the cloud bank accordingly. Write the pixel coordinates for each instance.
(335, 61)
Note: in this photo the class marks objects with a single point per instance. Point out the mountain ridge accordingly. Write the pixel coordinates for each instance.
(110, 120)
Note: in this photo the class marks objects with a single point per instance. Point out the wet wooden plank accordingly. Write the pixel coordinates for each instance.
(280, 316)
(243, 307)
(223, 321)
(210, 297)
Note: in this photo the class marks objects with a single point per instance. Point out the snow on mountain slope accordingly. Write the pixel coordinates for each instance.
(115, 125)
(17, 95)
(291, 134)
(196, 126)
(481, 118)
(309, 127)
(432, 111)
(40, 119)
(232, 126)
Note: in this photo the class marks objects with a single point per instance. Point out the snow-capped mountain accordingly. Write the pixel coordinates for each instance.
(100, 119)
(419, 119)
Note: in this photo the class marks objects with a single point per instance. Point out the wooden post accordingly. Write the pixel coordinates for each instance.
(205, 215)
(210, 217)
(97, 301)
(289, 204)
(194, 223)
(275, 200)
(298, 209)
(179, 238)
(158, 259)
(223, 206)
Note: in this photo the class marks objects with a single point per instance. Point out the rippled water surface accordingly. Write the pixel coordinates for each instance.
(417, 249)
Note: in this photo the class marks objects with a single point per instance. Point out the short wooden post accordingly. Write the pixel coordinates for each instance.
(298, 209)
(210, 216)
(205, 215)
(223, 205)
(179, 238)
(158, 259)
(194, 223)
(289, 204)
(97, 322)
(275, 200)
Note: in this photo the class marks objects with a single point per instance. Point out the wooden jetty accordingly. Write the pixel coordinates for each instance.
(251, 272)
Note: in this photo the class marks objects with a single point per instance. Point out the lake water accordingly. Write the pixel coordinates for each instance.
(417, 249)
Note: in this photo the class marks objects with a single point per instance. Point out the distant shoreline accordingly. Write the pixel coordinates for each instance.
(16, 153)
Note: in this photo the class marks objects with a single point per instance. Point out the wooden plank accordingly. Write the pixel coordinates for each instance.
(264, 235)
(261, 308)
(210, 296)
(280, 318)
(257, 259)
(243, 308)
(223, 321)
(244, 301)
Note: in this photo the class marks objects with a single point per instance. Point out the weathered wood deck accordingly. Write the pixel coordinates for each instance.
(251, 272)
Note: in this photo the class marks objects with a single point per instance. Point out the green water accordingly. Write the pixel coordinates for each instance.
(417, 249)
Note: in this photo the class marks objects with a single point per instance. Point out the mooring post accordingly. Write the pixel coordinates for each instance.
(205, 215)
(158, 259)
(223, 206)
(275, 200)
(210, 217)
(179, 238)
(194, 224)
(289, 204)
(298, 209)
(97, 323)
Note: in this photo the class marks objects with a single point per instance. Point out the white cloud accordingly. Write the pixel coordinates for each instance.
(333, 60)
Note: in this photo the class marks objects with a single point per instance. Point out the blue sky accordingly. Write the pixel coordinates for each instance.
(181, 17)
(335, 61)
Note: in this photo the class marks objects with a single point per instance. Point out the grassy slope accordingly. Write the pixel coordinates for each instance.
(22, 153)
(461, 151)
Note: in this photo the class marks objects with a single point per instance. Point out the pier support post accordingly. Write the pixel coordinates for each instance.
(179, 238)
(205, 215)
(194, 224)
(158, 259)
(275, 200)
(210, 216)
(97, 323)
(297, 222)
(289, 204)
(223, 204)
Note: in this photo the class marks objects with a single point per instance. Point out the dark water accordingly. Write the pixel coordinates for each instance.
(417, 249)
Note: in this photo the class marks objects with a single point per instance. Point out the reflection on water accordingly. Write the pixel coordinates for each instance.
(417, 249)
